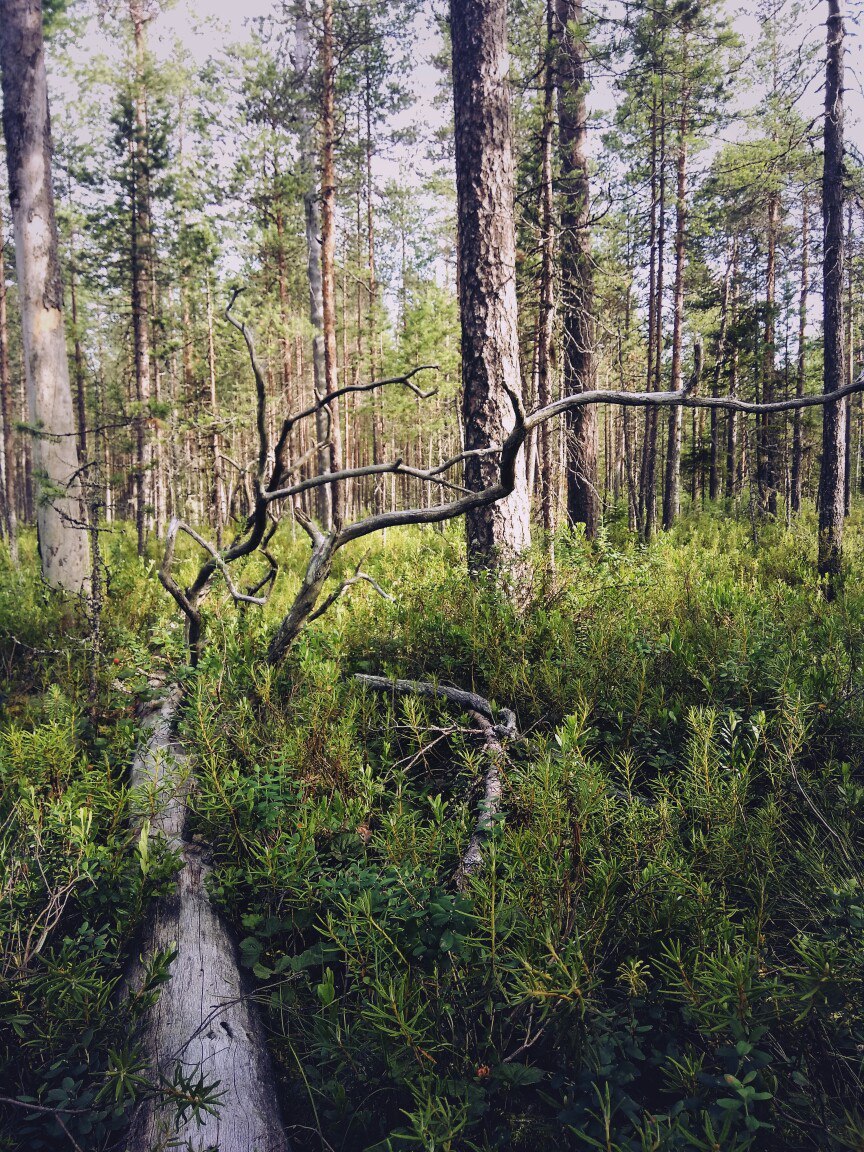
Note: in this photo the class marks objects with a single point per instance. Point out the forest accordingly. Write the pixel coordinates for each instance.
(431, 554)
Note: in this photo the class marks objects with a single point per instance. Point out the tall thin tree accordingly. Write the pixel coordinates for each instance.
(832, 480)
(577, 277)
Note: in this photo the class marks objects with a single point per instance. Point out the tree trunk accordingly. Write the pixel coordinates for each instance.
(655, 343)
(831, 476)
(312, 210)
(801, 373)
(672, 489)
(10, 488)
(140, 266)
(546, 317)
(766, 443)
(328, 246)
(372, 319)
(849, 363)
(719, 364)
(577, 280)
(61, 516)
(487, 273)
(215, 449)
(204, 1019)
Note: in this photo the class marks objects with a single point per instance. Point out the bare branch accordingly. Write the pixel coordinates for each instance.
(260, 386)
(240, 597)
(490, 805)
(344, 586)
(468, 701)
(480, 711)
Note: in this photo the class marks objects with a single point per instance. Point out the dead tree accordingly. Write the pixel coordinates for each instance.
(276, 488)
(203, 1031)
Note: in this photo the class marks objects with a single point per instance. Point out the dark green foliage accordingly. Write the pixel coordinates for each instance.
(664, 949)
(74, 878)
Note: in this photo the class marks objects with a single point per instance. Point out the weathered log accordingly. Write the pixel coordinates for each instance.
(203, 1020)
(490, 805)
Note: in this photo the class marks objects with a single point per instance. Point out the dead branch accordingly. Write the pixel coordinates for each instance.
(467, 701)
(269, 490)
(494, 736)
(343, 587)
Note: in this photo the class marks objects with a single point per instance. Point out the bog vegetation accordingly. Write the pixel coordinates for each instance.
(665, 947)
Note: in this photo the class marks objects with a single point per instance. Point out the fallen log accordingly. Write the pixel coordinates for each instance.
(204, 1021)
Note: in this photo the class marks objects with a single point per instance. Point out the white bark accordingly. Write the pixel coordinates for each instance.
(203, 1019)
(63, 542)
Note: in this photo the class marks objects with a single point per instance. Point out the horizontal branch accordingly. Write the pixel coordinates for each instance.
(526, 423)
(469, 701)
(349, 389)
(685, 399)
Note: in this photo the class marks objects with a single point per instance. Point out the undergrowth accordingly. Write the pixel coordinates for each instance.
(663, 949)
(75, 879)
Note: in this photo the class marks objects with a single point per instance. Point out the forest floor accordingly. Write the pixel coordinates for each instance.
(664, 948)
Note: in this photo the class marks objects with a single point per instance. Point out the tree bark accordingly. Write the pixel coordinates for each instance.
(10, 488)
(204, 1019)
(328, 245)
(672, 489)
(140, 264)
(546, 317)
(719, 364)
(312, 211)
(801, 370)
(832, 471)
(491, 380)
(577, 278)
(61, 516)
(766, 442)
(214, 447)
